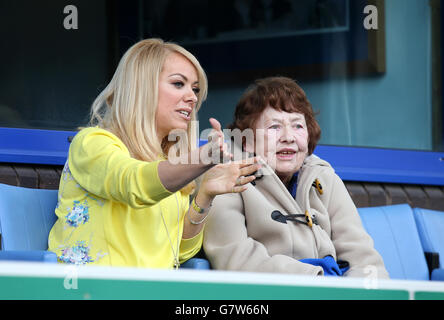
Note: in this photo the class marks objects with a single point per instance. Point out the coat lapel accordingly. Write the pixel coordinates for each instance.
(270, 183)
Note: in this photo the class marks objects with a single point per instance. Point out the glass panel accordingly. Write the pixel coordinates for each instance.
(50, 75)
(372, 87)
(372, 69)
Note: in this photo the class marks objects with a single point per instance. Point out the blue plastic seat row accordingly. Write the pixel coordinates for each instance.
(26, 218)
(430, 224)
(402, 235)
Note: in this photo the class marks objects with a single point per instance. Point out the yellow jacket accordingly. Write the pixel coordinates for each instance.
(110, 208)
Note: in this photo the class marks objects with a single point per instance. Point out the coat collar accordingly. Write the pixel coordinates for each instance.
(273, 188)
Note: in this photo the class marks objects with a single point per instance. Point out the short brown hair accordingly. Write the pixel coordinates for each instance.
(279, 93)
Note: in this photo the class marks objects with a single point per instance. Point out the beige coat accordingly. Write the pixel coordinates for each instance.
(241, 235)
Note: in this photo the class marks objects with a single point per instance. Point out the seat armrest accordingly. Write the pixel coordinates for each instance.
(196, 263)
(432, 259)
(30, 256)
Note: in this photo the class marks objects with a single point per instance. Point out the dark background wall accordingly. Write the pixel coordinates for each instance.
(49, 76)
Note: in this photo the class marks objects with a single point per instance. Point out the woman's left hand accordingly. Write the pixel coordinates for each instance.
(231, 177)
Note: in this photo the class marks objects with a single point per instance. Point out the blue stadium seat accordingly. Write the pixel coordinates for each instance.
(26, 218)
(396, 238)
(196, 263)
(430, 225)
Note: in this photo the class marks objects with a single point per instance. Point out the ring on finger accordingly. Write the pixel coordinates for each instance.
(238, 181)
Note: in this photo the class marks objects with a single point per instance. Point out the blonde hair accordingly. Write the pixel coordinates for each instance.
(127, 106)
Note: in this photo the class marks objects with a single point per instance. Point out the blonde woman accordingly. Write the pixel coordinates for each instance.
(121, 202)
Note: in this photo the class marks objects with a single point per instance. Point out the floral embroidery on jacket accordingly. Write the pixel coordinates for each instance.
(88, 195)
(79, 214)
(78, 254)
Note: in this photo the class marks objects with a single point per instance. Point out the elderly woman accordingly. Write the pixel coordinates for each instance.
(298, 216)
